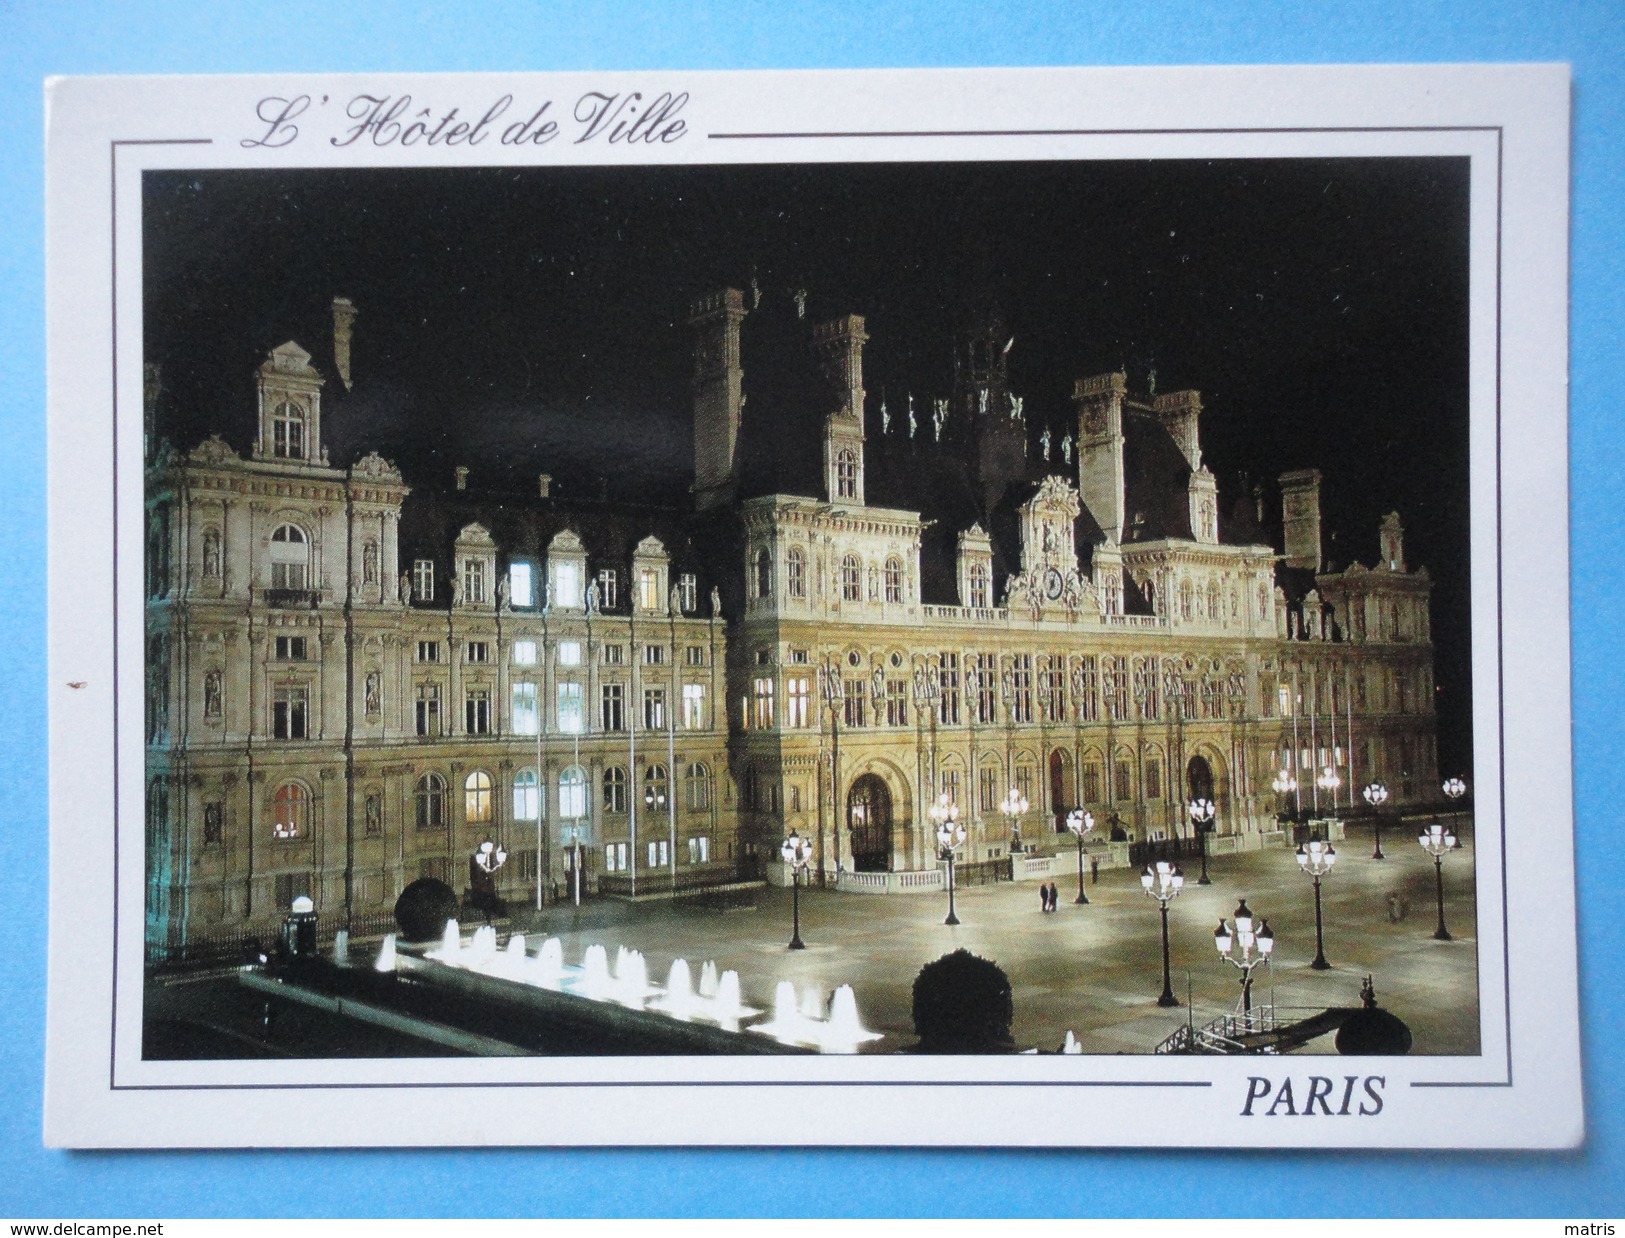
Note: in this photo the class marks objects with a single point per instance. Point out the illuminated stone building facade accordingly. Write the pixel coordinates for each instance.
(354, 677)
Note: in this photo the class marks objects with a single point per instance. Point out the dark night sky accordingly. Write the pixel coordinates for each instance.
(518, 320)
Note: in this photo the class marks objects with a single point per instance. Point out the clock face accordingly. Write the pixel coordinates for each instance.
(1052, 584)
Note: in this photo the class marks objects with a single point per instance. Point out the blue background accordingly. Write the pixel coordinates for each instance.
(191, 36)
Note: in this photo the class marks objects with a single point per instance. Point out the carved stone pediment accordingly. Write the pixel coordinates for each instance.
(475, 535)
(213, 450)
(376, 468)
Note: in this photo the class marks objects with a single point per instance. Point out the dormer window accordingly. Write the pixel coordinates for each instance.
(288, 432)
(473, 580)
(846, 474)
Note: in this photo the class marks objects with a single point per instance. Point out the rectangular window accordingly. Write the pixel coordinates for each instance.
(694, 706)
(950, 785)
(1116, 689)
(797, 697)
(612, 707)
(213, 818)
(986, 690)
(478, 651)
(614, 857)
(428, 709)
(525, 716)
(987, 787)
(524, 653)
(570, 709)
(1021, 678)
(428, 651)
(699, 788)
(763, 693)
(688, 590)
(613, 655)
(855, 707)
(896, 702)
(290, 886)
(567, 585)
(795, 798)
(659, 854)
(654, 655)
(1091, 783)
(654, 709)
(1124, 790)
(473, 580)
(290, 648)
(699, 850)
(609, 588)
(1024, 783)
(569, 653)
(521, 589)
(423, 579)
(948, 683)
(1147, 690)
(527, 799)
(1153, 778)
(288, 713)
(799, 657)
(694, 655)
(649, 588)
(1088, 702)
(1052, 690)
(477, 711)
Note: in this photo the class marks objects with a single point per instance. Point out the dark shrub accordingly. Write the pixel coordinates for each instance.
(423, 909)
(962, 1004)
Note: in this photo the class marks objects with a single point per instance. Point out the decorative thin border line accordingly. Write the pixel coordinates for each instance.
(1498, 130)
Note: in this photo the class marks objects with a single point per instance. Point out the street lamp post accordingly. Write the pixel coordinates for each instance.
(797, 852)
(1316, 858)
(1245, 950)
(1014, 806)
(1163, 882)
(1284, 785)
(1436, 839)
(1080, 821)
(950, 834)
(1202, 811)
(1328, 781)
(1376, 794)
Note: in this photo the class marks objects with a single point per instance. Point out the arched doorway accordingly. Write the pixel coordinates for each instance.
(868, 813)
(1198, 779)
(1061, 799)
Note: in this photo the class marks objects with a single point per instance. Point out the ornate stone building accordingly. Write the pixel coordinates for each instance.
(354, 680)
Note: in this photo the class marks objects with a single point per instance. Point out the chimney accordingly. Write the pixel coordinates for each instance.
(1100, 450)
(343, 316)
(1300, 518)
(462, 477)
(544, 485)
(719, 382)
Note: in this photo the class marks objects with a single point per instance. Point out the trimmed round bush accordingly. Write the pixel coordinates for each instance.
(962, 1004)
(423, 908)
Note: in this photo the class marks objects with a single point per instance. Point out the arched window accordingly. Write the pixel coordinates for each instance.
(979, 586)
(1184, 599)
(894, 580)
(699, 787)
(851, 579)
(573, 793)
(1213, 611)
(846, 474)
(527, 798)
(795, 569)
(429, 800)
(615, 789)
(290, 811)
(656, 787)
(290, 557)
(764, 574)
(288, 432)
(477, 798)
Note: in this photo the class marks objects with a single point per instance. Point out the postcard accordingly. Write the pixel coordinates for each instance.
(1019, 607)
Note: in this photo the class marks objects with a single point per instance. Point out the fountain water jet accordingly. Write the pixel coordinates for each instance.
(1071, 1045)
(631, 978)
(678, 1001)
(341, 948)
(844, 1032)
(595, 982)
(451, 944)
(548, 968)
(708, 979)
(386, 955)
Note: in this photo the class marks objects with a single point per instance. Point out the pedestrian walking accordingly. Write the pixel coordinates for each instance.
(1043, 898)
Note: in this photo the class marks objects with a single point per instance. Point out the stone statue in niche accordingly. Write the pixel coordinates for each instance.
(369, 563)
(211, 552)
(373, 693)
(375, 813)
(211, 694)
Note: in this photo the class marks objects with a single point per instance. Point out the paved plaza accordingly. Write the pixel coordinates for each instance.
(1096, 970)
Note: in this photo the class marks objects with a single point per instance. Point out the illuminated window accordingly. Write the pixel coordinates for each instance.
(688, 592)
(609, 588)
(526, 717)
(423, 579)
(573, 793)
(477, 798)
(521, 585)
(649, 589)
(795, 570)
(290, 811)
(798, 694)
(846, 474)
(980, 589)
(288, 432)
(851, 579)
(570, 719)
(524, 653)
(764, 703)
(694, 706)
(527, 799)
(894, 580)
(569, 653)
(473, 580)
(290, 558)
